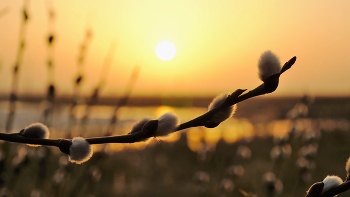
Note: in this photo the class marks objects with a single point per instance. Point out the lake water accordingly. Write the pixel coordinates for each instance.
(245, 125)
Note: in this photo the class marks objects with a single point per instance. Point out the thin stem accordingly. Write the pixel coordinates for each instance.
(16, 68)
(129, 138)
(15, 137)
(124, 99)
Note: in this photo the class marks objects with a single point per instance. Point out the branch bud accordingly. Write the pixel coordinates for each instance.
(271, 83)
(145, 127)
(315, 189)
(150, 128)
(64, 146)
(167, 123)
(80, 150)
(221, 115)
(331, 182)
(139, 125)
(288, 64)
(269, 64)
(321, 187)
(35, 130)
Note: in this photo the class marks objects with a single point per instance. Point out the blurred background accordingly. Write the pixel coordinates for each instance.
(87, 68)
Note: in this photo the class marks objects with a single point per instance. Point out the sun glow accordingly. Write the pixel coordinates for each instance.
(165, 50)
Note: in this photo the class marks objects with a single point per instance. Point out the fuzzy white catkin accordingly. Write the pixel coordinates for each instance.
(331, 182)
(223, 114)
(269, 64)
(167, 123)
(36, 130)
(80, 150)
(138, 126)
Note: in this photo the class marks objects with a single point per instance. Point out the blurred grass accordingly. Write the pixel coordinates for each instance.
(168, 169)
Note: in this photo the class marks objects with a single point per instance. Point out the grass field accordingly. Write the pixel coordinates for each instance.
(230, 160)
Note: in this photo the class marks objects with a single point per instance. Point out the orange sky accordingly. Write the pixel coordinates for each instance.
(218, 45)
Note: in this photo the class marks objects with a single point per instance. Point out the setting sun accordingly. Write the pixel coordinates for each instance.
(165, 50)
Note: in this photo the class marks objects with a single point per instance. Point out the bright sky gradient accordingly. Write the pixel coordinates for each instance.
(218, 45)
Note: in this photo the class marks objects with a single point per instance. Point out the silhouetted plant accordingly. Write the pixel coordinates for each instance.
(51, 88)
(17, 66)
(201, 180)
(97, 90)
(123, 100)
(79, 77)
(79, 149)
(273, 185)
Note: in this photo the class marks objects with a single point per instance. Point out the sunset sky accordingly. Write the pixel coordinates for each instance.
(218, 44)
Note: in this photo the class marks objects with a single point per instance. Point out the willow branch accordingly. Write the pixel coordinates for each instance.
(16, 137)
(268, 86)
(337, 190)
(148, 130)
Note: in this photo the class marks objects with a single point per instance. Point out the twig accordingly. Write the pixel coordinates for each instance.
(337, 190)
(16, 67)
(123, 100)
(79, 78)
(96, 91)
(50, 96)
(269, 85)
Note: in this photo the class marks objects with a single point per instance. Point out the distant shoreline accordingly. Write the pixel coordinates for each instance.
(175, 101)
